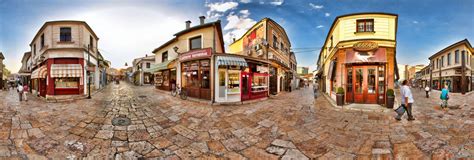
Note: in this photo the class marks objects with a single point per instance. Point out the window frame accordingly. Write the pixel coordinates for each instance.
(191, 44)
(64, 37)
(456, 57)
(365, 25)
(42, 41)
(163, 56)
(148, 64)
(91, 42)
(449, 59)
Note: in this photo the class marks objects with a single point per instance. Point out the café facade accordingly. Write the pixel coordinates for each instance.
(359, 55)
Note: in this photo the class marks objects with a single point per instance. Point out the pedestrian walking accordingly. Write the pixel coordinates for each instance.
(427, 91)
(444, 97)
(407, 101)
(19, 89)
(315, 89)
(25, 92)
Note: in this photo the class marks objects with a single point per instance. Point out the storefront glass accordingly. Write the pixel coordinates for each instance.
(259, 82)
(70, 82)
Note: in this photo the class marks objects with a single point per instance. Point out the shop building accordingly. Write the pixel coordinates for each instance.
(452, 67)
(359, 55)
(424, 78)
(165, 68)
(268, 43)
(141, 74)
(64, 59)
(25, 70)
(294, 77)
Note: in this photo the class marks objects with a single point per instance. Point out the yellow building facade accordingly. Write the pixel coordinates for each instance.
(268, 42)
(359, 55)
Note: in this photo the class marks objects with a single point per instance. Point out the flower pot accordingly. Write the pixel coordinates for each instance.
(390, 101)
(340, 99)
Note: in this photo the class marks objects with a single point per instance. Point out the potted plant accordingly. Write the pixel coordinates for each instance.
(390, 98)
(340, 96)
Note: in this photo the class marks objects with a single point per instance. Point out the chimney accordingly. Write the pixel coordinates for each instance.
(233, 39)
(201, 20)
(188, 24)
(146, 55)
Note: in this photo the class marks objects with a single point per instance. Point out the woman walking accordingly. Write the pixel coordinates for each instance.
(25, 92)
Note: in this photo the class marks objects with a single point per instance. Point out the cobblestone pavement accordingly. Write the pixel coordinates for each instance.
(288, 126)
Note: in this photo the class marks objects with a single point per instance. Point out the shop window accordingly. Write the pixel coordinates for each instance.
(70, 82)
(165, 78)
(233, 83)
(205, 74)
(193, 76)
(365, 25)
(259, 82)
(159, 79)
(65, 34)
(195, 43)
(164, 56)
(456, 56)
(449, 59)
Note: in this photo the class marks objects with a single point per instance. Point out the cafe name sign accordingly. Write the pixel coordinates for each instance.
(365, 46)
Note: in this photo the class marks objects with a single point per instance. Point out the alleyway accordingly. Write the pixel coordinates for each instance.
(290, 125)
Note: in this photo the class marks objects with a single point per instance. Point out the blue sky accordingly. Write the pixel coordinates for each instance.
(130, 29)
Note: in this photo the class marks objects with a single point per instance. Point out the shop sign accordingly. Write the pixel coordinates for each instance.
(365, 46)
(195, 54)
(378, 55)
(262, 69)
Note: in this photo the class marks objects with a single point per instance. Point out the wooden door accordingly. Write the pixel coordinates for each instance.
(245, 84)
(42, 87)
(273, 80)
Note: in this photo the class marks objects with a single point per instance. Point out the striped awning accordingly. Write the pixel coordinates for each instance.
(66, 70)
(40, 72)
(231, 61)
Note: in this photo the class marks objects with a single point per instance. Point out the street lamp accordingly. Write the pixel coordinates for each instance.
(88, 72)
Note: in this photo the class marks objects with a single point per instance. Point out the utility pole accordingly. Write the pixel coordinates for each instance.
(88, 72)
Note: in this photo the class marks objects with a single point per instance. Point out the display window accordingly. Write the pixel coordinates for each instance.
(69, 82)
(259, 82)
(158, 79)
(233, 82)
(165, 78)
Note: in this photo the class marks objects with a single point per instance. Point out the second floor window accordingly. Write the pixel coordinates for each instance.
(34, 49)
(275, 42)
(449, 59)
(42, 40)
(164, 56)
(442, 61)
(195, 43)
(65, 34)
(91, 42)
(147, 65)
(365, 25)
(456, 56)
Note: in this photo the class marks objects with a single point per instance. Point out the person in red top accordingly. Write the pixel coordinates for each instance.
(25, 91)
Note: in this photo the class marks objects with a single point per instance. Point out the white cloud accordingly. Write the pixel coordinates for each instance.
(319, 26)
(237, 25)
(327, 14)
(415, 22)
(314, 6)
(216, 10)
(277, 2)
(222, 7)
(245, 1)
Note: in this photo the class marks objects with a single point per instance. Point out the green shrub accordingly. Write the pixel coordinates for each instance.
(390, 92)
(340, 90)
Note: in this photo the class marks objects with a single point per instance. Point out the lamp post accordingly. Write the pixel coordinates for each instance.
(88, 72)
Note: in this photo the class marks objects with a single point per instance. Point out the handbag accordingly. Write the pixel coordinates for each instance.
(400, 110)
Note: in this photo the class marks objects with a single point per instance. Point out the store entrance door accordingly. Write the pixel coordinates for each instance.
(273, 80)
(365, 84)
(42, 87)
(245, 81)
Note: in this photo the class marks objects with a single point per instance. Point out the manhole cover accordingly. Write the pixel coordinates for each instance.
(121, 121)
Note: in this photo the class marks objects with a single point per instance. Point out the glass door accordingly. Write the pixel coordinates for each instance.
(222, 86)
(245, 77)
(349, 85)
(371, 85)
(359, 84)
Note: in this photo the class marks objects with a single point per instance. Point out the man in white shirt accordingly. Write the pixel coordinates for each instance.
(407, 100)
(20, 91)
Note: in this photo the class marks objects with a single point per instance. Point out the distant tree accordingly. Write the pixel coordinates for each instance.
(6, 72)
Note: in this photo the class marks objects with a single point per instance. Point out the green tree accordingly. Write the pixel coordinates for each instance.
(6, 72)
